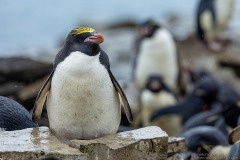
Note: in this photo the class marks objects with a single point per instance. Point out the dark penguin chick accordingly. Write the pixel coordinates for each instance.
(198, 100)
(234, 152)
(156, 95)
(227, 96)
(157, 54)
(212, 117)
(81, 93)
(14, 116)
(202, 139)
(212, 18)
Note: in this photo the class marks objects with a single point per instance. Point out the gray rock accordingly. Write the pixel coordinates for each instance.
(176, 145)
(37, 144)
(149, 143)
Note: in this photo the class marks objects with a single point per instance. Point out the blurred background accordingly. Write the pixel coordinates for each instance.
(32, 32)
(38, 26)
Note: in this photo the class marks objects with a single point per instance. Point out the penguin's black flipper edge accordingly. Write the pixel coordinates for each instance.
(126, 105)
(41, 98)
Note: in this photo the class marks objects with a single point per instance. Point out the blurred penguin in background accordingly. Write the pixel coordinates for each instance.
(154, 96)
(227, 96)
(230, 152)
(200, 99)
(212, 19)
(201, 140)
(156, 55)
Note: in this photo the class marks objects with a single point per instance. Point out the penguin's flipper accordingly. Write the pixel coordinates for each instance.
(126, 106)
(207, 24)
(41, 98)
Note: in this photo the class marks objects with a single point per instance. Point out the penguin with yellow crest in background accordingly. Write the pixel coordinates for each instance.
(154, 96)
(81, 93)
(157, 54)
(212, 19)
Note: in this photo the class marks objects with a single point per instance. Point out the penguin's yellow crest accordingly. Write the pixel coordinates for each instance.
(78, 31)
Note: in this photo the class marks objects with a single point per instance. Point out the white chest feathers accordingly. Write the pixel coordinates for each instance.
(153, 101)
(223, 11)
(158, 55)
(82, 102)
(150, 102)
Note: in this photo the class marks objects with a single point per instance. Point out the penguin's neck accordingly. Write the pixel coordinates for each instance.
(89, 48)
(79, 63)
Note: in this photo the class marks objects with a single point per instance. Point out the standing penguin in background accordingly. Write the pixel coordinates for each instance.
(81, 93)
(212, 20)
(154, 96)
(156, 55)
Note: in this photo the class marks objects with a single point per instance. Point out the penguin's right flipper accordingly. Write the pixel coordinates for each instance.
(41, 98)
(207, 24)
(126, 106)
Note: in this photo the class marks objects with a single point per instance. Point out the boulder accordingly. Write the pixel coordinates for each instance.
(37, 144)
(149, 143)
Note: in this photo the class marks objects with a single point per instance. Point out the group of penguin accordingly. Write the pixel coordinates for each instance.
(83, 99)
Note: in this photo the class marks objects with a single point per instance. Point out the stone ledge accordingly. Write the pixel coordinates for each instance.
(149, 143)
(176, 145)
(36, 143)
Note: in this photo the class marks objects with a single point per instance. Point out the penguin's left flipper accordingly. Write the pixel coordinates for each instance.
(126, 106)
(41, 98)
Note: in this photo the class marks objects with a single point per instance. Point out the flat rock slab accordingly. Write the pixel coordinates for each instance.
(37, 144)
(149, 143)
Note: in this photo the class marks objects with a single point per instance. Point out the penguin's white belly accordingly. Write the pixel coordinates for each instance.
(82, 103)
(157, 56)
(154, 101)
(151, 102)
(224, 10)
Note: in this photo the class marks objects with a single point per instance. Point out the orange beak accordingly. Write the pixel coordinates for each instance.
(95, 38)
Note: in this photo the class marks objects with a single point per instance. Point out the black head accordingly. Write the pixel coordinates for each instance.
(85, 40)
(148, 28)
(156, 84)
(206, 88)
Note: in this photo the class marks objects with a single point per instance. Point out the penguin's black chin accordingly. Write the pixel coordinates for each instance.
(90, 48)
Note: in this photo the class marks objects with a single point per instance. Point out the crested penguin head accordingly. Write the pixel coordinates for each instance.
(155, 84)
(148, 28)
(84, 39)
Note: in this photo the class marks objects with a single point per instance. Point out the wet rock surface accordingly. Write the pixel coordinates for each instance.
(36, 143)
(150, 143)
